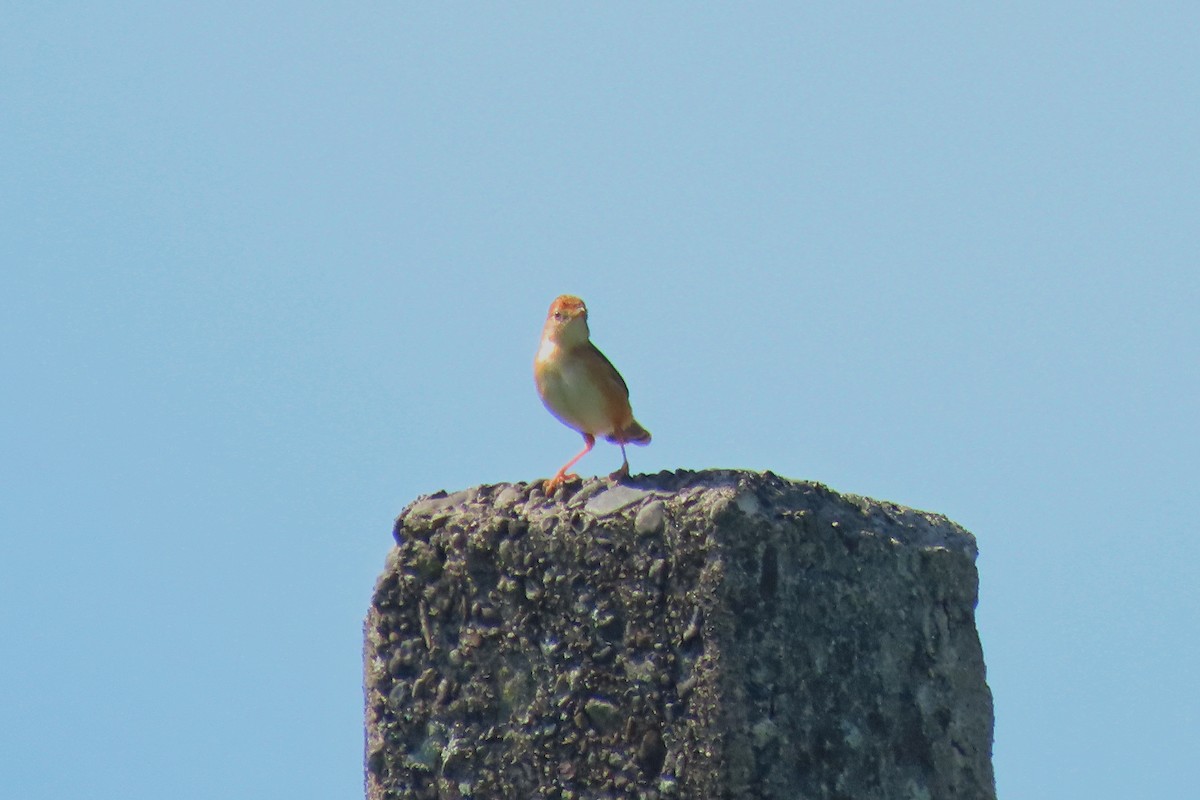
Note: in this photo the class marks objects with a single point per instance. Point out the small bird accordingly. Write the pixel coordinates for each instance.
(581, 387)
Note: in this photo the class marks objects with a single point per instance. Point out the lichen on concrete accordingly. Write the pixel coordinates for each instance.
(717, 634)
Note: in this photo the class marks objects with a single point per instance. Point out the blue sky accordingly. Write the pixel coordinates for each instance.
(272, 270)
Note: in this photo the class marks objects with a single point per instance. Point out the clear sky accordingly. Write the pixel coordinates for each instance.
(269, 271)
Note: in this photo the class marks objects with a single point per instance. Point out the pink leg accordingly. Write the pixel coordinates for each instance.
(562, 476)
(623, 472)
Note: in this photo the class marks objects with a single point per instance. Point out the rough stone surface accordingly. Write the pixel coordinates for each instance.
(713, 634)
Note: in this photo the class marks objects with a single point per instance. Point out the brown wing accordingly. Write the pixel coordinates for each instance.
(617, 394)
(612, 371)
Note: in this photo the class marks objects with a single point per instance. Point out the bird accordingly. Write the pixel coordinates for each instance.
(582, 388)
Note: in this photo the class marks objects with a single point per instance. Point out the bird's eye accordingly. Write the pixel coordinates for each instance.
(558, 315)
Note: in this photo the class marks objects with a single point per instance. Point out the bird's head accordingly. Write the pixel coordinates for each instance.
(566, 323)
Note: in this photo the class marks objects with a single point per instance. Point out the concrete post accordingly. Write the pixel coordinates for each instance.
(717, 634)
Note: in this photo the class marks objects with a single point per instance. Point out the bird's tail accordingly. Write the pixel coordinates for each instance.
(633, 433)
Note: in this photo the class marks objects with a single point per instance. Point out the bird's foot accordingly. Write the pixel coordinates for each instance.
(549, 486)
(620, 474)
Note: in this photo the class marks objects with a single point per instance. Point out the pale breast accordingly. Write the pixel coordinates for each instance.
(570, 394)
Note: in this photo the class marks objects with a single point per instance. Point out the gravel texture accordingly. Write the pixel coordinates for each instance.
(716, 634)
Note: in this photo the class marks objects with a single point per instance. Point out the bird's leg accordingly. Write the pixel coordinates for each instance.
(623, 472)
(561, 476)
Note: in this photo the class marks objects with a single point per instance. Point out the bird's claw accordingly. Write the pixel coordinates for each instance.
(620, 474)
(558, 480)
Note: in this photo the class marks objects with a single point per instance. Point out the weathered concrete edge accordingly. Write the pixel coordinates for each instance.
(601, 497)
